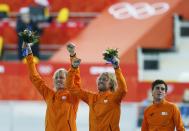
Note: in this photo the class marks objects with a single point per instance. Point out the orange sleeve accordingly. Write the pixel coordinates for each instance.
(77, 78)
(75, 88)
(87, 96)
(70, 80)
(122, 87)
(82, 94)
(73, 77)
(77, 84)
(144, 124)
(36, 79)
(178, 120)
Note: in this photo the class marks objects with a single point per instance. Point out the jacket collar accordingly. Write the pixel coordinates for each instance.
(160, 103)
(105, 92)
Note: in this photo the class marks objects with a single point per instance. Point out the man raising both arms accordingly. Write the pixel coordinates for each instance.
(104, 106)
(61, 105)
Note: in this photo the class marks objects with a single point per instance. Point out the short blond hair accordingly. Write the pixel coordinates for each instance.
(58, 71)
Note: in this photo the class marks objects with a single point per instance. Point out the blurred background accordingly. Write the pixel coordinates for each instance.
(152, 38)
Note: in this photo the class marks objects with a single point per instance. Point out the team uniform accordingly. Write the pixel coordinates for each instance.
(104, 107)
(164, 116)
(61, 105)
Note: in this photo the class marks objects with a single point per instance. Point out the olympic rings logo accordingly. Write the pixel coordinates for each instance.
(141, 10)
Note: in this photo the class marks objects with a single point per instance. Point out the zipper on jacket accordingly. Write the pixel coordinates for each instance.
(69, 125)
(110, 127)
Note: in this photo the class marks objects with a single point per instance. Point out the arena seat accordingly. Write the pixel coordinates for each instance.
(4, 10)
(56, 5)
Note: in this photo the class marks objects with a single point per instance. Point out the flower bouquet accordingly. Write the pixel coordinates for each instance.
(29, 36)
(110, 55)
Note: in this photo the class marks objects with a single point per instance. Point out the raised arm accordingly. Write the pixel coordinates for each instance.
(121, 90)
(111, 56)
(36, 79)
(74, 78)
(75, 62)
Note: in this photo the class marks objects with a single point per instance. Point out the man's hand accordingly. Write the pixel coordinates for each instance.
(76, 62)
(111, 56)
(26, 49)
(115, 62)
(71, 49)
(29, 36)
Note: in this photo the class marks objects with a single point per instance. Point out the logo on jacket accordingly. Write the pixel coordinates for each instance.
(164, 113)
(105, 101)
(64, 97)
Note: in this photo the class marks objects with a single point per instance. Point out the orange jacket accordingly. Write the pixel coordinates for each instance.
(104, 108)
(61, 105)
(164, 116)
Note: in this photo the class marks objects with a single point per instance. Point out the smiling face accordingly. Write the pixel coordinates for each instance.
(60, 78)
(159, 92)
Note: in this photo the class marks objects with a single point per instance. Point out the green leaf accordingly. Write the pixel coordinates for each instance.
(29, 36)
(109, 54)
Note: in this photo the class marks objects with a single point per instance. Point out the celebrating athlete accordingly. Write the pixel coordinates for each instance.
(104, 106)
(61, 105)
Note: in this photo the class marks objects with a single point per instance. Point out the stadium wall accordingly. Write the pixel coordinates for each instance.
(15, 83)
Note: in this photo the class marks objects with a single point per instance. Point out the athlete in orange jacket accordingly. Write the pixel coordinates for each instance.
(104, 106)
(61, 105)
(161, 115)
